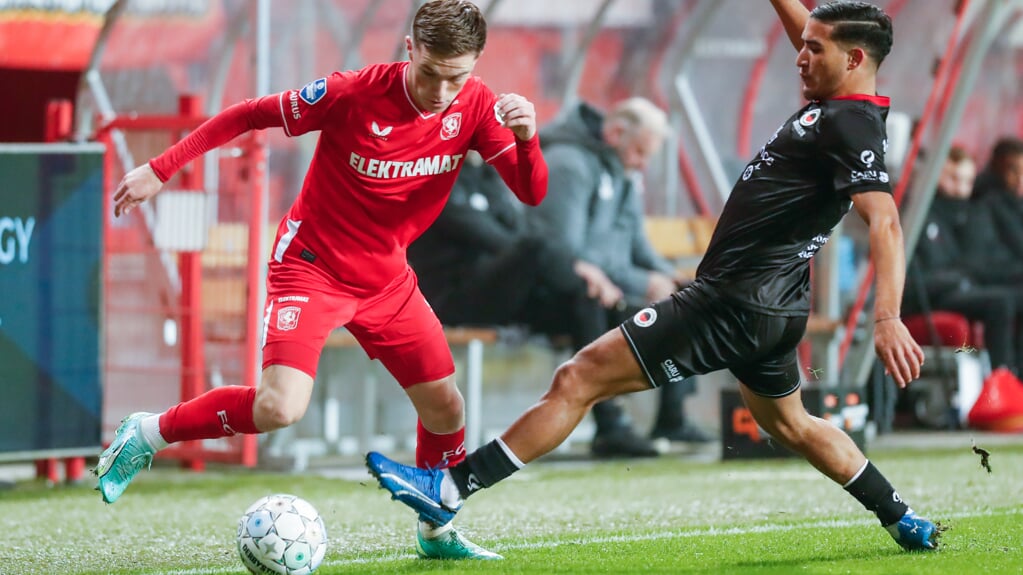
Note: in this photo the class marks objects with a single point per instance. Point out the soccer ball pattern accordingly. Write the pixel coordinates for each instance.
(282, 535)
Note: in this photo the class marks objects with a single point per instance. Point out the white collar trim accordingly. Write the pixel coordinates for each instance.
(404, 85)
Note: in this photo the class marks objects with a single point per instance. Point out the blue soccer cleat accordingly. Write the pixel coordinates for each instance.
(125, 457)
(415, 487)
(451, 545)
(914, 533)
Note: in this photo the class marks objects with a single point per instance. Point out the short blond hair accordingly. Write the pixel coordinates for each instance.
(638, 113)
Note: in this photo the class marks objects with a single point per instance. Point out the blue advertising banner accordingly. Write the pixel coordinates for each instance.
(51, 248)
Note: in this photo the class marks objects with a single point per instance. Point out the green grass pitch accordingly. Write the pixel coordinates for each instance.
(655, 516)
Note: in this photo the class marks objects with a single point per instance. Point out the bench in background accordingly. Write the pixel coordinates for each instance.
(473, 339)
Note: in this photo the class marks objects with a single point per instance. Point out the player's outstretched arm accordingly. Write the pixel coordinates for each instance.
(145, 181)
(793, 17)
(901, 355)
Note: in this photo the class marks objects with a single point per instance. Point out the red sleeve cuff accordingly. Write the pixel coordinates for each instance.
(158, 169)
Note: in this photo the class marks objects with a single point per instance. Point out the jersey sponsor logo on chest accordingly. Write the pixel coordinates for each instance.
(388, 169)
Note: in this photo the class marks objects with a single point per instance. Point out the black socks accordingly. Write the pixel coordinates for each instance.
(871, 489)
(484, 467)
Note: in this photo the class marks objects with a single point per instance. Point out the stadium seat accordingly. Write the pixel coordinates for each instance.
(963, 342)
(953, 330)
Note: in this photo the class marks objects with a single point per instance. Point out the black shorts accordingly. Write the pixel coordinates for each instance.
(696, 332)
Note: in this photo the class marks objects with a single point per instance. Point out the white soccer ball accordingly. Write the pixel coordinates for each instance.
(281, 534)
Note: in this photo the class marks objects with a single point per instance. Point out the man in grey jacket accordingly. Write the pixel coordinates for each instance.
(595, 209)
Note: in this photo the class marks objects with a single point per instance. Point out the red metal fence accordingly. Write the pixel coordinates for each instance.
(178, 323)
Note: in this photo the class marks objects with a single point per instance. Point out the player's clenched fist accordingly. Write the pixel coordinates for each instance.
(517, 114)
(136, 187)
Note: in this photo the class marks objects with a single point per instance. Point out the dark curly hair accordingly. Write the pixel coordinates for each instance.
(858, 24)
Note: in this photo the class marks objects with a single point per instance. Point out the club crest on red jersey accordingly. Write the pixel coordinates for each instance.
(287, 317)
(450, 126)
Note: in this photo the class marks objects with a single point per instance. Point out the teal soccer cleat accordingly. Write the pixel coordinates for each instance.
(914, 533)
(451, 545)
(415, 487)
(125, 457)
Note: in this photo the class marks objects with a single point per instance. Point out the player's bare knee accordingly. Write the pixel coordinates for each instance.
(450, 405)
(439, 404)
(283, 417)
(272, 411)
(570, 384)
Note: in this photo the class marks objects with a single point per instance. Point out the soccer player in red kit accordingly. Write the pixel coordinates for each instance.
(392, 140)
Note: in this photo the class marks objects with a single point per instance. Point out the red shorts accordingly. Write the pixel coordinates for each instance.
(395, 325)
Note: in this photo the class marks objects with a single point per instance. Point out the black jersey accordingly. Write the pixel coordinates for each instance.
(789, 198)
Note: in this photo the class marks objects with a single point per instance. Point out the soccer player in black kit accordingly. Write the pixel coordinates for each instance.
(747, 309)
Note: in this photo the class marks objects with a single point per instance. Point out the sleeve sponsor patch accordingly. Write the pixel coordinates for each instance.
(313, 91)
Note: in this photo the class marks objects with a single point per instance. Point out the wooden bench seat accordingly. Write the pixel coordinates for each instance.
(679, 238)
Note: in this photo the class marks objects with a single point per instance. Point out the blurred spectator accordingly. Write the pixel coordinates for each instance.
(1004, 193)
(479, 265)
(1004, 173)
(594, 208)
(944, 276)
(991, 228)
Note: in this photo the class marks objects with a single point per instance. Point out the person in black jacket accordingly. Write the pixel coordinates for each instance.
(961, 265)
(1004, 173)
(479, 265)
(1001, 188)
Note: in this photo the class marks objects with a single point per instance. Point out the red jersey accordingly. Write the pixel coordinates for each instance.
(382, 170)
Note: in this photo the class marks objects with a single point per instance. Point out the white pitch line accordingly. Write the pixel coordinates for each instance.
(709, 531)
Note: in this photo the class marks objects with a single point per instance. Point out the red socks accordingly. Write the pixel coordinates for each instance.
(435, 450)
(226, 411)
(220, 412)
